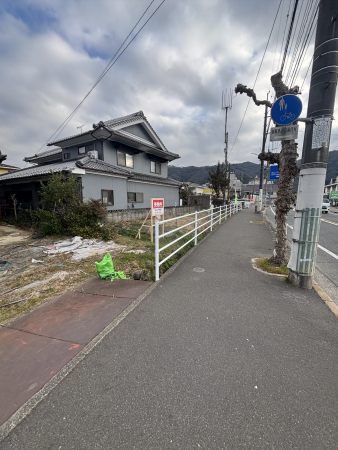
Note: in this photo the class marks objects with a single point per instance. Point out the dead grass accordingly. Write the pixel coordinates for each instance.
(23, 272)
(266, 265)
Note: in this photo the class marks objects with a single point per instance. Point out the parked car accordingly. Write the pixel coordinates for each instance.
(325, 206)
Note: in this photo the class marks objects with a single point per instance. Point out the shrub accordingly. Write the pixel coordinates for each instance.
(63, 212)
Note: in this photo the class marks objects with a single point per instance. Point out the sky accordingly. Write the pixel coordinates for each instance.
(52, 52)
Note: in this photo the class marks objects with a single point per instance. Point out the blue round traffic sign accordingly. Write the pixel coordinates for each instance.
(286, 109)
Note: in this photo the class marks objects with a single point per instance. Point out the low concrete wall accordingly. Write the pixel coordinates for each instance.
(128, 215)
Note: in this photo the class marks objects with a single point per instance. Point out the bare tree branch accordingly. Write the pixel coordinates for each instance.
(272, 158)
(241, 89)
(281, 88)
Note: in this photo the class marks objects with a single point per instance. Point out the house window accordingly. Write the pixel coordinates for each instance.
(155, 167)
(66, 156)
(88, 148)
(125, 160)
(107, 197)
(135, 197)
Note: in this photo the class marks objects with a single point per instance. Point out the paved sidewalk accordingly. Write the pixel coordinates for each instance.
(225, 358)
(36, 345)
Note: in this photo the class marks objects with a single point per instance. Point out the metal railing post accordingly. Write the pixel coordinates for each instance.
(211, 212)
(157, 253)
(195, 227)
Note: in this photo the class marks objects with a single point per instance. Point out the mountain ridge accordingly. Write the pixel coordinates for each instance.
(243, 171)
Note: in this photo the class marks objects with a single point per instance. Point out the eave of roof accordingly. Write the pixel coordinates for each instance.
(87, 163)
(127, 137)
(49, 154)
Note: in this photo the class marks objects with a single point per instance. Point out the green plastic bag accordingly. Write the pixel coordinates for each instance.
(105, 269)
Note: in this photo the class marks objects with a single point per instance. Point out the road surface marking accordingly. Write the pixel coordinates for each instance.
(319, 246)
(329, 221)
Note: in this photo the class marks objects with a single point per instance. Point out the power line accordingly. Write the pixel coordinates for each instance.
(286, 22)
(305, 44)
(108, 67)
(256, 77)
(289, 34)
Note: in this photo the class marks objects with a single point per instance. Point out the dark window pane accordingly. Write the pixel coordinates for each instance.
(139, 197)
(131, 197)
(158, 168)
(121, 158)
(66, 156)
(110, 197)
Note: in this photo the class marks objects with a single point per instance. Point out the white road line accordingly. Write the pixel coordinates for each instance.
(328, 251)
(319, 246)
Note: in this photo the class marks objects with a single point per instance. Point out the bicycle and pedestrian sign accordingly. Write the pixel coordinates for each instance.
(286, 109)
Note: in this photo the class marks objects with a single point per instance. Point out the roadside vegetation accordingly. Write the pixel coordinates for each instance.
(63, 215)
(268, 266)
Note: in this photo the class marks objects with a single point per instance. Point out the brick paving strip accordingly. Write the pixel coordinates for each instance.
(36, 346)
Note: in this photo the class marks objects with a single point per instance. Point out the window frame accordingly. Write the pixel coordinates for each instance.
(120, 152)
(136, 200)
(87, 148)
(66, 155)
(110, 193)
(157, 165)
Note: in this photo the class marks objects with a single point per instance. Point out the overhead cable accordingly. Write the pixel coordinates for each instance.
(113, 60)
(240, 126)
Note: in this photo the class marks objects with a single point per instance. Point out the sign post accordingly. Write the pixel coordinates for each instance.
(157, 211)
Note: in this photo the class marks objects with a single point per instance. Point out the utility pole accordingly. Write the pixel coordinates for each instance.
(261, 180)
(226, 104)
(315, 148)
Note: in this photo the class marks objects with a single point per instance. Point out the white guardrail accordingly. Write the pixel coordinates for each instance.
(201, 220)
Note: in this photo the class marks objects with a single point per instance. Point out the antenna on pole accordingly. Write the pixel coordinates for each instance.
(81, 126)
(226, 104)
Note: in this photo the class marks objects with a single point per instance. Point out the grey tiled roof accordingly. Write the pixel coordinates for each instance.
(101, 166)
(124, 119)
(39, 170)
(152, 179)
(110, 124)
(85, 163)
(54, 151)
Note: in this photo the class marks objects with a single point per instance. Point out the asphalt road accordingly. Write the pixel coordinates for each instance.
(223, 358)
(327, 256)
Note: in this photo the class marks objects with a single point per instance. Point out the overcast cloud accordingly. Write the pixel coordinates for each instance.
(52, 51)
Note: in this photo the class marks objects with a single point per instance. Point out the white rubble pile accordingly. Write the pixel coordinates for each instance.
(82, 248)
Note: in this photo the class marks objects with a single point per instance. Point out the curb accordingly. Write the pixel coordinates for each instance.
(28, 407)
(320, 291)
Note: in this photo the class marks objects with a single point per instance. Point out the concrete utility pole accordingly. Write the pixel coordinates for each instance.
(316, 147)
(261, 180)
(226, 104)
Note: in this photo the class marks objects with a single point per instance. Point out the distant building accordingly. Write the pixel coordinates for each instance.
(330, 190)
(252, 188)
(5, 168)
(235, 184)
